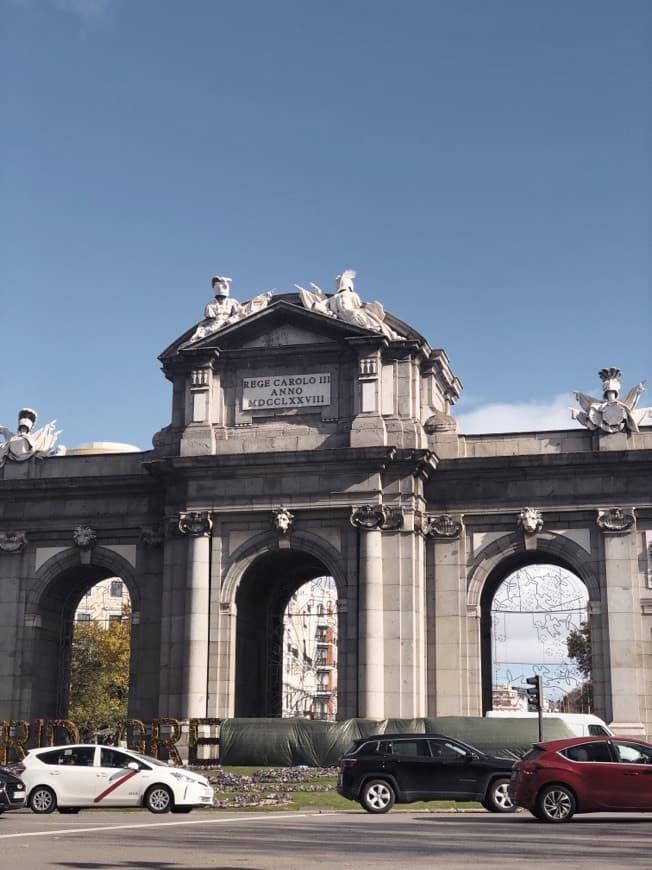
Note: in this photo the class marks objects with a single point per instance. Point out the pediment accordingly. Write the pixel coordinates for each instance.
(281, 324)
(284, 324)
(285, 335)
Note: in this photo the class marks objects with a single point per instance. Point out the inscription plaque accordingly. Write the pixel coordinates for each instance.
(286, 391)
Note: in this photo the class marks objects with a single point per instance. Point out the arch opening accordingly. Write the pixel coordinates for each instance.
(269, 588)
(78, 596)
(310, 651)
(100, 653)
(530, 607)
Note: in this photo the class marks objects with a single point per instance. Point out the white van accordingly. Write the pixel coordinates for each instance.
(581, 724)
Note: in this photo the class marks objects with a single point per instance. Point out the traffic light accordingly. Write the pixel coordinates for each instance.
(534, 694)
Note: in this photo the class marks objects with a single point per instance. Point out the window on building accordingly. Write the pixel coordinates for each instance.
(319, 710)
(83, 617)
(116, 589)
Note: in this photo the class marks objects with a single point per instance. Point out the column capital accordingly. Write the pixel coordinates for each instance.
(12, 542)
(195, 523)
(616, 521)
(152, 536)
(443, 526)
(376, 516)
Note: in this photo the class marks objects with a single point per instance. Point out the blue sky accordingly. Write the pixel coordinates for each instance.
(484, 165)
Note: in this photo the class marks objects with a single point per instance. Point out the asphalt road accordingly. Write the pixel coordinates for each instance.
(400, 840)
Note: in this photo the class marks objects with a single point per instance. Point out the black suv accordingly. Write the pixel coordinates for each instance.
(400, 768)
(12, 791)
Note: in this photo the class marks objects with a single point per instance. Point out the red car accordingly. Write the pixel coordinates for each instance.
(557, 779)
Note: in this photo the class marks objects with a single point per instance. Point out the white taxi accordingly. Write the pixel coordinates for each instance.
(79, 775)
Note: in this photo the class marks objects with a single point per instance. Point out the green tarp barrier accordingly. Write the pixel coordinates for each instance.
(315, 743)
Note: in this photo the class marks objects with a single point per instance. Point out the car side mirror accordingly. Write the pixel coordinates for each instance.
(133, 765)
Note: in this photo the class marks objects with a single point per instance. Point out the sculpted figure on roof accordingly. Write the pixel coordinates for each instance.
(223, 311)
(347, 306)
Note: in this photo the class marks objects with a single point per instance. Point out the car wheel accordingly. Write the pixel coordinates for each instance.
(69, 811)
(158, 799)
(498, 799)
(42, 800)
(555, 803)
(182, 809)
(377, 796)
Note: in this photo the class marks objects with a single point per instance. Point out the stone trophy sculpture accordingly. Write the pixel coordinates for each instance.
(610, 414)
(25, 444)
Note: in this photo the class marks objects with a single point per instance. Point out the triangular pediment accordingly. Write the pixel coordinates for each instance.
(283, 323)
(280, 324)
(284, 335)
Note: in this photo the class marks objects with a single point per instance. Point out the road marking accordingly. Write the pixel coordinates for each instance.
(253, 816)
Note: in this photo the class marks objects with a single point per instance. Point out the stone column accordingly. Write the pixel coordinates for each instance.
(623, 620)
(371, 671)
(15, 571)
(450, 666)
(197, 525)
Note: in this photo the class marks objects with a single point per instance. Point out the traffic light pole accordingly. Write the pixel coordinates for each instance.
(540, 725)
(534, 694)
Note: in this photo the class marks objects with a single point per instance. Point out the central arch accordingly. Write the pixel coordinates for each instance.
(261, 599)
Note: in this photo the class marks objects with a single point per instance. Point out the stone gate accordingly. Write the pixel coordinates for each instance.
(312, 435)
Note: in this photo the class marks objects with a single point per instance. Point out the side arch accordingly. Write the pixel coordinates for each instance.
(50, 605)
(103, 563)
(508, 554)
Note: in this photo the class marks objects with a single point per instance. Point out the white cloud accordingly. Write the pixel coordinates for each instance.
(533, 416)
